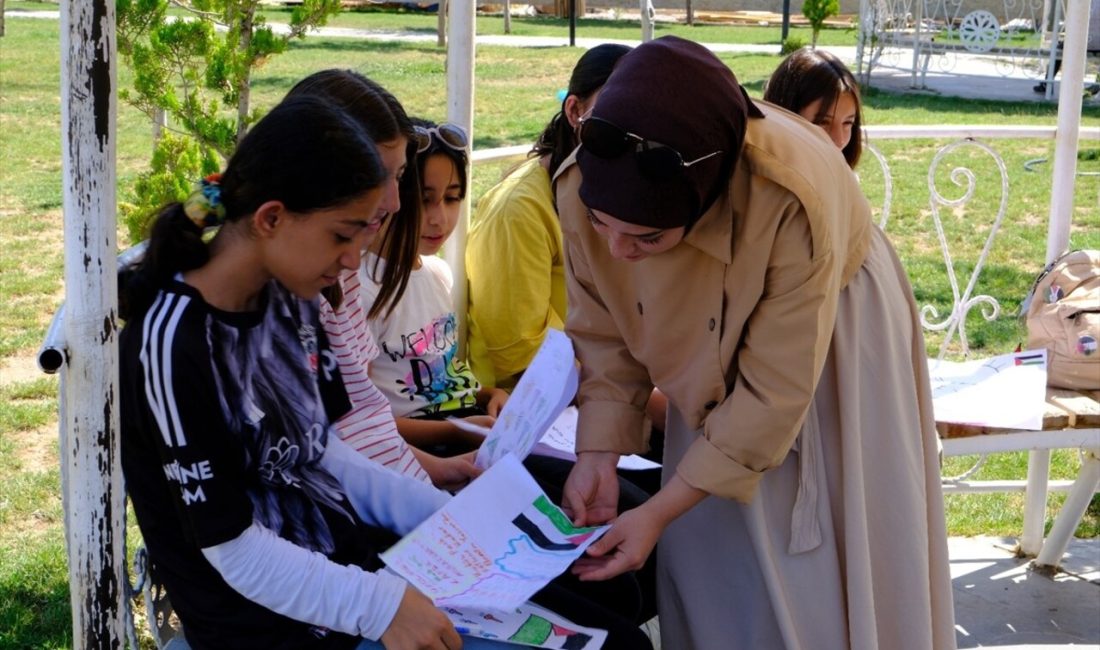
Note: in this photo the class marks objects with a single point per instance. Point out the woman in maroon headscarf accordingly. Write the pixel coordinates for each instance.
(723, 251)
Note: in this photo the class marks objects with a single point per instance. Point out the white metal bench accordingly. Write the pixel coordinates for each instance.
(942, 32)
(1072, 419)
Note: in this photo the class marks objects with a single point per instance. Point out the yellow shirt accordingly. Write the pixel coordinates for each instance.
(515, 267)
(732, 324)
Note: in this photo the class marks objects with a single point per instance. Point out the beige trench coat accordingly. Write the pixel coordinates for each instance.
(735, 325)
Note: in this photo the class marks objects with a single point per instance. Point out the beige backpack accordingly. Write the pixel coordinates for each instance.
(1063, 316)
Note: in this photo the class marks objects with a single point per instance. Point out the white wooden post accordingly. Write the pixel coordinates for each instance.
(647, 20)
(91, 473)
(1064, 170)
(460, 110)
(1035, 502)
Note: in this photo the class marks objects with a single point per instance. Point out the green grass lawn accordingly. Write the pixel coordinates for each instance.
(516, 94)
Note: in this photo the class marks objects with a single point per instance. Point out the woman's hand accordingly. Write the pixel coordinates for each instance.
(591, 493)
(418, 625)
(633, 535)
(623, 548)
(495, 399)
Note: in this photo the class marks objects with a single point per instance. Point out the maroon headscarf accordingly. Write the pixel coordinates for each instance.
(677, 93)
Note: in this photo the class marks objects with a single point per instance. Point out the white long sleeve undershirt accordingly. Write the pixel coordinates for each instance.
(307, 586)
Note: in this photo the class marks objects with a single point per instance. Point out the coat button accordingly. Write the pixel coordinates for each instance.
(639, 309)
(710, 405)
(711, 324)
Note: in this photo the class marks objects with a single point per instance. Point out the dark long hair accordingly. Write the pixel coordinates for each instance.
(385, 119)
(808, 75)
(589, 75)
(306, 153)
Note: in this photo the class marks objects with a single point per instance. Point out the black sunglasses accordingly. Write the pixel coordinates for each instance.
(451, 135)
(655, 160)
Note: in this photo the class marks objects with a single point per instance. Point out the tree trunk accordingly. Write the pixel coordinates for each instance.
(244, 82)
(507, 16)
(1, 17)
(441, 25)
(160, 121)
(690, 13)
(93, 499)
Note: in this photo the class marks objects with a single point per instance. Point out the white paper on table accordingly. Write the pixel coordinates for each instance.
(545, 388)
(560, 441)
(493, 545)
(1006, 391)
(527, 624)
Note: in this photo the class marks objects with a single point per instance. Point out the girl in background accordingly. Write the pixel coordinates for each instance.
(514, 255)
(419, 370)
(370, 427)
(819, 87)
(515, 260)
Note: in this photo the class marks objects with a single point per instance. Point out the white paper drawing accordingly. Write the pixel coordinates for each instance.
(493, 545)
(528, 625)
(560, 441)
(1007, 391)
(546, 387)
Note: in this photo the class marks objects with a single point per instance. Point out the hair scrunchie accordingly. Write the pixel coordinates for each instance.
(204, 206)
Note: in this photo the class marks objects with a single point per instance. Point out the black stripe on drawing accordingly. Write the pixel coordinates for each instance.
(538, 537)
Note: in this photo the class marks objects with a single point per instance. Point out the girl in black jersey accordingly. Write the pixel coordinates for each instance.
(262, 524)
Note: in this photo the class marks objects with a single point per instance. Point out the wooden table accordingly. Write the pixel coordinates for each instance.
(1071, 421)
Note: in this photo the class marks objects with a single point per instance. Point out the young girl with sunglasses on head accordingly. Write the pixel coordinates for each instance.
(418, 368)
(264, 526)
(369, 426)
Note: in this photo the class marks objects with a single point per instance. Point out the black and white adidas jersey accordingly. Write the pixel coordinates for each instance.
(224, 419)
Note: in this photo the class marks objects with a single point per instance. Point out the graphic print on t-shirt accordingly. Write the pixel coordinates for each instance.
(433, 374)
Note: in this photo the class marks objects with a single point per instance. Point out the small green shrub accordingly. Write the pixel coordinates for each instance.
(817, 12)
(178, 164)
(791, 44)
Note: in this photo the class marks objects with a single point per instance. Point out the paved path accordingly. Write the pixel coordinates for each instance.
(966, 76)
(999, 603)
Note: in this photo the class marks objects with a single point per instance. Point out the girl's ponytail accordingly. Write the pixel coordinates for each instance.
(174, 245)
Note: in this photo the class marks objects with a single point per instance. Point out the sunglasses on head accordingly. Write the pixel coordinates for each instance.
(655, 160)
(451, 135)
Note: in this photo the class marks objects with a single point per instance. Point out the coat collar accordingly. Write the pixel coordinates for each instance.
(713, 232)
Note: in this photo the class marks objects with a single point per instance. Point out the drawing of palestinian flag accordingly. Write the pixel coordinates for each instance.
(549, 528)
(538, 631)
(1029, 359)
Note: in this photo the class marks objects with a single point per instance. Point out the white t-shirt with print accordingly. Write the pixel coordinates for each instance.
(417, 368)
